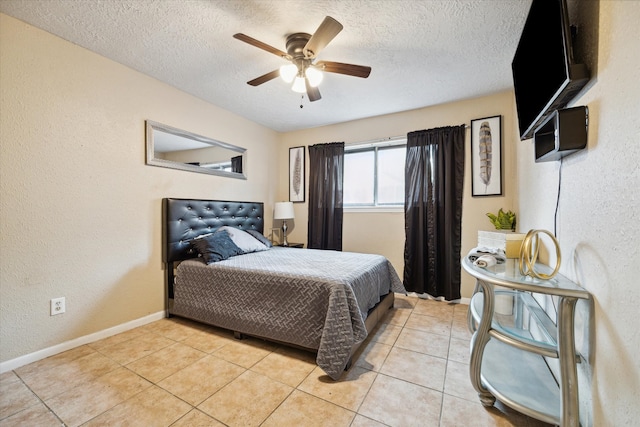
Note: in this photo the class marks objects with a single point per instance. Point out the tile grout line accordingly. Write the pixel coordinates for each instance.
(37, 397)
(446, 370)
(377, 373)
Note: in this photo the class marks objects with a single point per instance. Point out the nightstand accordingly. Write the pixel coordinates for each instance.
(292, 245)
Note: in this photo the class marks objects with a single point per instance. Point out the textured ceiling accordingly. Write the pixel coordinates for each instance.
(422, 53)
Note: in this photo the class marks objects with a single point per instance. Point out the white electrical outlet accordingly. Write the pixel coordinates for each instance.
(58, 306)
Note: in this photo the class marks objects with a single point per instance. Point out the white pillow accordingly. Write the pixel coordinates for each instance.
(244, 240)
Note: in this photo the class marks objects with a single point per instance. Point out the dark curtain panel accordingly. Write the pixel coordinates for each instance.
(434, 178)
(326, 172)
(236, 164)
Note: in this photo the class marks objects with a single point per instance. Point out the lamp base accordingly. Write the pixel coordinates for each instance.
(284, 234)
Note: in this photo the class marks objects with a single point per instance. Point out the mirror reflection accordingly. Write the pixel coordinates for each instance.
(174, 148)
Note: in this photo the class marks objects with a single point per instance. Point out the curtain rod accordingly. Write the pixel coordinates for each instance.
(378, 140)
(386, 139)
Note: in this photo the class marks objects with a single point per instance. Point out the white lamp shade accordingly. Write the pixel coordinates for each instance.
(299, 85)
(314, 75)
(283, 210)
(288, 72)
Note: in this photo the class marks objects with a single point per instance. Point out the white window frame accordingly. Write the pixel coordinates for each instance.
(374, 146)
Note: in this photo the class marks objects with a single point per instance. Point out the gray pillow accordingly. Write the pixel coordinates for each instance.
(243, 240)
(216, 247)
(258, 235)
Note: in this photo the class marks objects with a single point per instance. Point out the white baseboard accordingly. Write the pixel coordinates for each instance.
(12, 364)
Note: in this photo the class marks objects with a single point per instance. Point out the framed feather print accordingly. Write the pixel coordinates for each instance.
(486, 156)
(296, 174)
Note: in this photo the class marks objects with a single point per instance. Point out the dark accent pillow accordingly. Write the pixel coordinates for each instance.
(258, 235)
(216, 247)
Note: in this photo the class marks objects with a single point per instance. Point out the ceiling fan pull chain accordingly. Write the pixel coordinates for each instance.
(301, 100)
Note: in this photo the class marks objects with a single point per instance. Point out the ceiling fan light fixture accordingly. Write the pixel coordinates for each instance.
(288, 72)
(314, 75)
(299, 85)
(302, 73)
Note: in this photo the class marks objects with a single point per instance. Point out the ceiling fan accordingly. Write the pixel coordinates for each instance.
(302, 50)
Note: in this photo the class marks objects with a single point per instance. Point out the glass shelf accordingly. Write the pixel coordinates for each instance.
(517, 314)
(508, 275)
(536, 392)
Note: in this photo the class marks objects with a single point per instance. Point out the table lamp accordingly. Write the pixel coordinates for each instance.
(284, 211)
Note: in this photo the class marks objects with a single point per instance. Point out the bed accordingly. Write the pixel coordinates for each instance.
(323, 301)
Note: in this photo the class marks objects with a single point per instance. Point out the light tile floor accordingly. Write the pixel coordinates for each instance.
(412, 371)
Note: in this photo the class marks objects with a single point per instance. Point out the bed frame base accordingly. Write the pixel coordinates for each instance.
(376, 314)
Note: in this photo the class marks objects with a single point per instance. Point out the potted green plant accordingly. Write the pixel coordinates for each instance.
(504, 220)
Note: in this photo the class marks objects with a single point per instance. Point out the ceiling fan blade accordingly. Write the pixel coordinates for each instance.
(323, 35)
(264, 78)
(257, 43)
(313, 93)
(341, 68)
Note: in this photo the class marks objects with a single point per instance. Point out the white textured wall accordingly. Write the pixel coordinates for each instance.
(598, 219)
(383, 233)
(79, 209)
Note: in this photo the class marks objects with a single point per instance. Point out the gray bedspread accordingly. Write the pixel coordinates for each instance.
(311, 298)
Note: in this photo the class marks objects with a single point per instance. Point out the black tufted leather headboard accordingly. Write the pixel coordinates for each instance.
(184, 219)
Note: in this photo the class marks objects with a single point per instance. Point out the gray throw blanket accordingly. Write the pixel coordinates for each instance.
(311, 298)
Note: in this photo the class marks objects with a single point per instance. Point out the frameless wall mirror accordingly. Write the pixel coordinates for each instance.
(173, 148)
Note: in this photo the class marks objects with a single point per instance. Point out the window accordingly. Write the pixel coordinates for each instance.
(374, 175)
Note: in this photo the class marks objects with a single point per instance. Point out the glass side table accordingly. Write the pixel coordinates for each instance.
(511, 336)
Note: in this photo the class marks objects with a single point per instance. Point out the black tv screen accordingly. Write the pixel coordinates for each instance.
(545, 77)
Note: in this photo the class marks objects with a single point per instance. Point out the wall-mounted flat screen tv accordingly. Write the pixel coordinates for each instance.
(545, 77)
